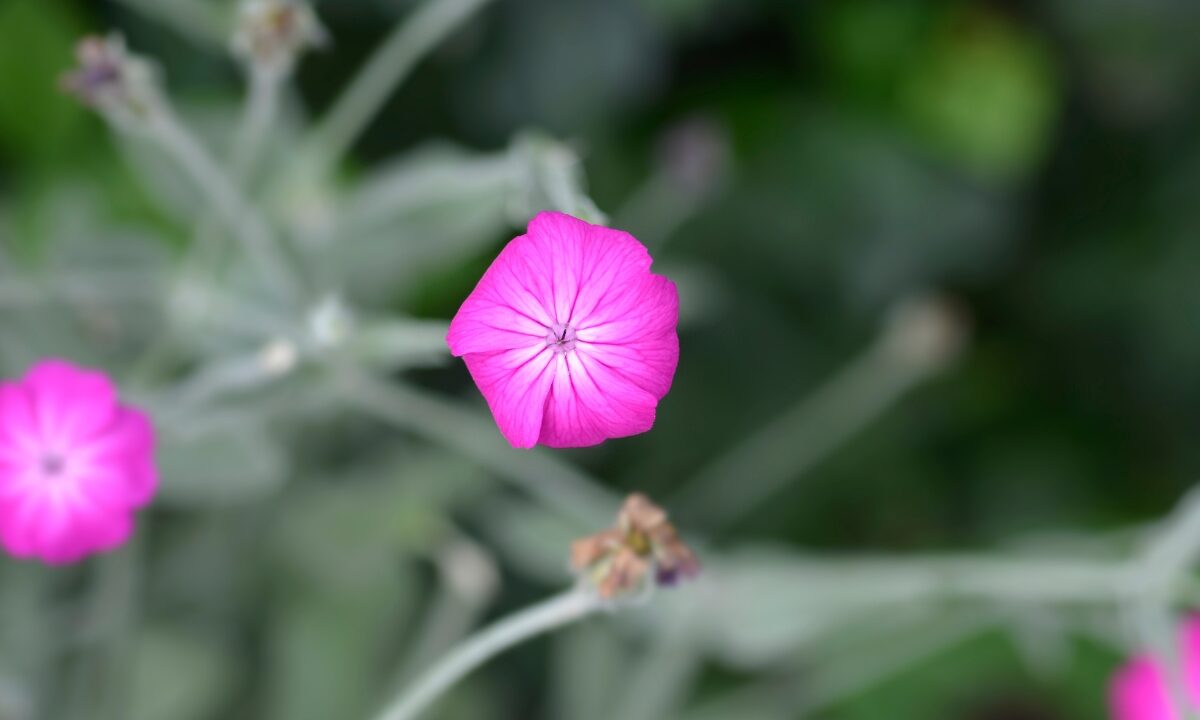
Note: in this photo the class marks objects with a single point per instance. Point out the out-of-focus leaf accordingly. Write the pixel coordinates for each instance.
(234, 375)
(169, 189)
(213, 563)
(535, 541)
(803, 192)
(680, 12)
(91, 294)
(742, 708)
(78, 236)
(589, 660)
(394, 344)
(550, 178)
(37, 332)
(37, 120)
(427, 177)
(427, 210)
(593, 59)
(1137, 60)
(757, 607)
(181, 675)
(203, 23)
(702, 293)
(441, 205)
(985, 95)
(172, 191)
(328, 647)
(868, 43)
(1091, 667)
(980, 90)
(375, 512)
(175, 193)
(751, 614)
(233, 462)
(25, 655)
(980, 677)
(344, 543)
(16, 702)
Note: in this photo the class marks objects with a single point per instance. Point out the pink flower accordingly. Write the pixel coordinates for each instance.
(1139, 690)
(74, 464)
(569, 336)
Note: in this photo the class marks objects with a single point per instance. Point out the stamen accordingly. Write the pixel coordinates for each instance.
(53, 463)
(561, 338)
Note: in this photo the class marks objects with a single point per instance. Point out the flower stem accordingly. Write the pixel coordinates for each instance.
(261, 109)
(543, 617)
(1163, 568)
(202, 261)
(661, 678)
(468, 581)
(797, 440)
(557, 484)
(221, 191)
(387, 68)
(920, 337)
(200, 23)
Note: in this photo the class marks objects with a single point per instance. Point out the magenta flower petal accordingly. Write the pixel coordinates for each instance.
(1139, 690)
(74, 464)
(569, 336)
(72, 404)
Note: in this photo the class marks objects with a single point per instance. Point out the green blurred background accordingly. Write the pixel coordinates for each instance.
(798, 167)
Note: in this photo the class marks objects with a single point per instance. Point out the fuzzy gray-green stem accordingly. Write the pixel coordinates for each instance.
(392, 62)
(547, 615)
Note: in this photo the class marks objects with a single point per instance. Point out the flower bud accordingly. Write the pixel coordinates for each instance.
(272, 34)
(124, 88)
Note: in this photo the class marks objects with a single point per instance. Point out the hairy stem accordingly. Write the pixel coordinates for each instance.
(258, 116)
(411, 41)
(203, 258)
(226, 199)
(259, 110)
(557, 484)
(547, 615)
(1166, 561)
(797, 440)
(201, 23)
(658, 682)
(468, 579)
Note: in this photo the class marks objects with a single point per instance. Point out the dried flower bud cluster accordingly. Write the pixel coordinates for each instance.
(122, 87)
(271, 34)
(643, 544)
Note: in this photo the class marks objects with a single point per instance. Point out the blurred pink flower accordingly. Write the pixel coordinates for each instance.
(569, 336)
(1139, 690)
(74, 464)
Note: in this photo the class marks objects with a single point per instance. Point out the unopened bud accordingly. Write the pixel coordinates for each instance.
(124, 88)
(272, 34)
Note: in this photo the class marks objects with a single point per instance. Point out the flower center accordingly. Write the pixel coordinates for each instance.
(52, 463)
(561, 338)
